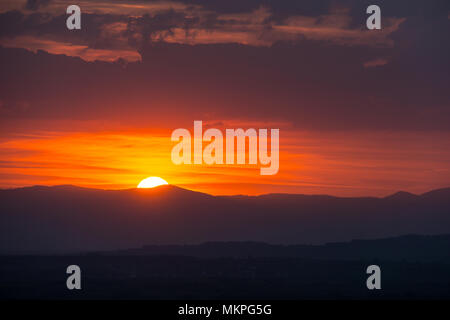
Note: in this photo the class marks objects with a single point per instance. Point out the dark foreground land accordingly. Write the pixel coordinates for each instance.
(239, 271)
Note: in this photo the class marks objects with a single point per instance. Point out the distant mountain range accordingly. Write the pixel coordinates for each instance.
(66, 218)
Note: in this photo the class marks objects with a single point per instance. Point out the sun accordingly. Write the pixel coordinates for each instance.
(151, 182)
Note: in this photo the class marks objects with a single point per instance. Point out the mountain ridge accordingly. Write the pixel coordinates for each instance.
(397, 194)
(68, 218)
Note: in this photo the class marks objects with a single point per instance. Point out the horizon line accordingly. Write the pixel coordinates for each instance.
(233, 195)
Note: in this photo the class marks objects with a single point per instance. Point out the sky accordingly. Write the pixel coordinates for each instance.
(360, 112)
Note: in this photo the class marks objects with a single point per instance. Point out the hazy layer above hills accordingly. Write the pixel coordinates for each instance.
(67, 218)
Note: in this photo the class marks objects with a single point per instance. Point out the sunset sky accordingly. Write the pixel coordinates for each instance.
(360, 112)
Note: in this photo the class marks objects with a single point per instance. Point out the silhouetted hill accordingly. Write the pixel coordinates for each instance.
(402, 195)
(404, 248)
(437, 195)
(68, 218)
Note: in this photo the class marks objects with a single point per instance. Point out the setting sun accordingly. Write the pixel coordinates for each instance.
(152, 182)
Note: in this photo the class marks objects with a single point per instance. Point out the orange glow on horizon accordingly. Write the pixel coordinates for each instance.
(344, 164)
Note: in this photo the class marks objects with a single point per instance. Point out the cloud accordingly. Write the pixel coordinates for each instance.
(129, 27)
(259, 28)
(36, 4)
(375, 63)
(84, 52)
(335, 28)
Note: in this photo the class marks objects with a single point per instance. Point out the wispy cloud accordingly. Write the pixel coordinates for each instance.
(82, 51)
(376, 63)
